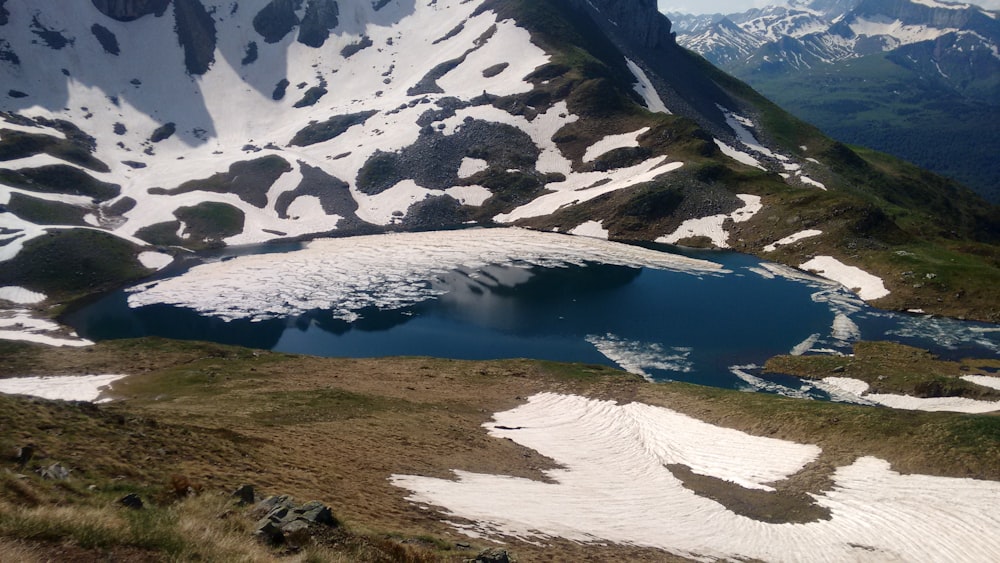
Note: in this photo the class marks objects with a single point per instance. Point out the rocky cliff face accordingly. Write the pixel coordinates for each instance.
(640, 21)
(128, 10)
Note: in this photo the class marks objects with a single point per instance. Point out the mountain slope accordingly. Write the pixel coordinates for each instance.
(191, 124)
(917, 79)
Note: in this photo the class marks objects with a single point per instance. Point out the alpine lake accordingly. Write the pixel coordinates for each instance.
(712, 330)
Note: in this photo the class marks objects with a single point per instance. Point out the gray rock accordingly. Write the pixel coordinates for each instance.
(244, 494)
(492, 555)
(286, 523)
(54, 472)
(24, 454)
(132, 501)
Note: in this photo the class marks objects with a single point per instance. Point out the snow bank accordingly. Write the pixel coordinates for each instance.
(62, 388)
(846, 386)
(21, 325)
(738, 155)
(20, 295)
(792, 239)
(711, 226)
(867, 286)
(387, 271)
(612, 142)
(984, 380)
(593, 229)
(644, 87)
(612, 486)
(155, 260)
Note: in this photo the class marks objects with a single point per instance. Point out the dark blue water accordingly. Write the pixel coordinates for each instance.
(672, 325)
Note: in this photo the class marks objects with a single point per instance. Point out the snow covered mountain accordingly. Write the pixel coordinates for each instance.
(135, 129)
(916, 78)
(801, 35)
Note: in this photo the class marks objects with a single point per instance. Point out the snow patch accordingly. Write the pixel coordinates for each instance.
(867, 286)
(738, 155)
(471, 166)
(859, 389)
(155, 260)
(21, 325)
(810, 182)
(61, 388)
(612, 142)
(20, 295)
(711, 226)
(612, 485)
(593, 229)
(984, 380)
(644, 87)
(792, 239)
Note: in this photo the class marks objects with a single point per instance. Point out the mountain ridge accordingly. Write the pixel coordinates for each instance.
(420, 117)
(886, 74)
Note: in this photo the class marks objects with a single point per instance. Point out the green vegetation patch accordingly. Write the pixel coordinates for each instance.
(73, 262)
(250, 180)
(318, 132)
(19, 144)
(888, 367)
(211, 221)
(44, 212)
(59, 179)
(205, 226)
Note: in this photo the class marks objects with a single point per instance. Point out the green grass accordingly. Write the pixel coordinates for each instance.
(18, 144)
(212, 221)
(889, 368)
(44, 212)
(873, 102)
(73, 262)
(59, 179)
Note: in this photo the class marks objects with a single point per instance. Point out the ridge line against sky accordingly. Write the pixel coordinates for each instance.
(737, 6)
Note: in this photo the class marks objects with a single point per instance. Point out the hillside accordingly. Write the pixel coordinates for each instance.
(145, 128)
(424, 459)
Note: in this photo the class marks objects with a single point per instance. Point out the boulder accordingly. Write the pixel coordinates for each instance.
(492, 555)
(54, 472)
(244, 495)
(132, 501)
(284, 522)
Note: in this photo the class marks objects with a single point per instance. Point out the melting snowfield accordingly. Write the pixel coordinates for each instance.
(847, 389)
(17, 324)
(63, 388)
(386, 271)
(868, 286)
(613, 486)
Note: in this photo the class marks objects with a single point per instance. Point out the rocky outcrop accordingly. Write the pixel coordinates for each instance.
(196, 33)
(319, 19)
(128, 10)
(493, 555)
(640, 20)
(283, 521)
(277, 19)
(4, 14)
